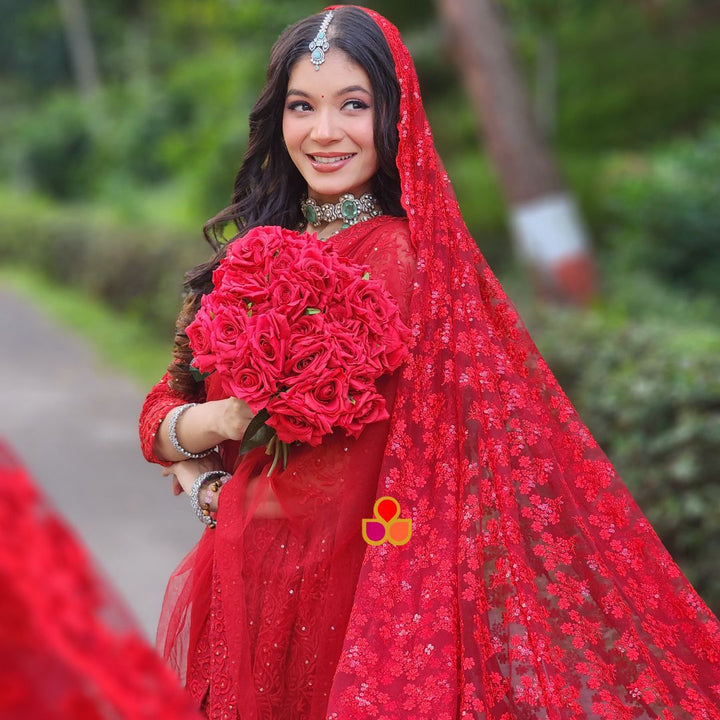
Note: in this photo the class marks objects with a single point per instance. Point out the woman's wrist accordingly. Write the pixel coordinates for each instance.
(175, 416)
(204, 493)
(193, 431)
(229, 418)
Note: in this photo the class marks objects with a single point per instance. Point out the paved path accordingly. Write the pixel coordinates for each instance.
(73, 421)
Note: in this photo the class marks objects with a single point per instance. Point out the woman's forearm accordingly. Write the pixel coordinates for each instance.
(201, 427)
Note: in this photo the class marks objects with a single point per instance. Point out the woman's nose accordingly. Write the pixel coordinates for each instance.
(325, 128)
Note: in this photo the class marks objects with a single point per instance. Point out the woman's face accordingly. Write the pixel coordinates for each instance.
(328, 126)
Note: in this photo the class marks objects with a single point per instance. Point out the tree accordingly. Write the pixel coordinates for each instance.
(547, 228)
(80, 46)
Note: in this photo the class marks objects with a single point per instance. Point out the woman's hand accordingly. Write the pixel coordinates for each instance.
(232, 417)
(187, 471)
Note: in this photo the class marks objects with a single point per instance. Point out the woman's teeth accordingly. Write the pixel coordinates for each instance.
(328, 160)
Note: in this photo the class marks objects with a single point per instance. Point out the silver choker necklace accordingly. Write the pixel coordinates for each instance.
(349, 209)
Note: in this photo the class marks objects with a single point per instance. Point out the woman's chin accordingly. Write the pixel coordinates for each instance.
(326, 193)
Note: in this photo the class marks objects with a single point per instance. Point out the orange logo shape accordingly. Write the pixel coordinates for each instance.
(386, 526)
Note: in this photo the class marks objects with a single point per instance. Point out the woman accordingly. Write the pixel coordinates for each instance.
(532, 586)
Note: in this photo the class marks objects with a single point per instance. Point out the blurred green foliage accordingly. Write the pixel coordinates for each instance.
(179, 78)
(130, 269)
(665, 210)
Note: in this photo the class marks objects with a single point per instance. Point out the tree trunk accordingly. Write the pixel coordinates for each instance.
(80, 46)
(547, 229)
(545, 96)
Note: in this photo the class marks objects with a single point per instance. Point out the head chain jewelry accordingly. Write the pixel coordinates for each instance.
(320, 45)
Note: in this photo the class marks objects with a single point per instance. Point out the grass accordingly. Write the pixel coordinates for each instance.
(122, 341)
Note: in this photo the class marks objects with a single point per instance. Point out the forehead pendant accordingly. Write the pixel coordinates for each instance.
(319, 46)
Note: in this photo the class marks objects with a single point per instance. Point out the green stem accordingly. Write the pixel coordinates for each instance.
(277, 448)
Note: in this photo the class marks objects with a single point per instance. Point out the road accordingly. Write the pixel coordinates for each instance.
(73, 421)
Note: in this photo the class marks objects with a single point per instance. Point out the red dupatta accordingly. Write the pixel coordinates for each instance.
(68, 645)
(532, 586)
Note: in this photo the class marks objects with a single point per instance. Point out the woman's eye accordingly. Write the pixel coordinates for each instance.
(299, 105)
(356, 105)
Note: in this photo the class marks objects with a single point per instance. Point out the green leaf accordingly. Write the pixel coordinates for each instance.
(257, 433)
(312, 311)
(197, 375)
(366, 276)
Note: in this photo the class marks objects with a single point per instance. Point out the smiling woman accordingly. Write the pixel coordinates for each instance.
(531, 585)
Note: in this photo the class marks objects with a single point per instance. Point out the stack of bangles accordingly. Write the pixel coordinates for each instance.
(172, 433)
(220, 477)
(214, 479)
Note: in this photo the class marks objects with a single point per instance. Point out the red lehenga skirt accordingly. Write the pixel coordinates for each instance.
(254, 619)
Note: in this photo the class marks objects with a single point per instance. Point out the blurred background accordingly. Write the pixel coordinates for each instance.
(122, 124)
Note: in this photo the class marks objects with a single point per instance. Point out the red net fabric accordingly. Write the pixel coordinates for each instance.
(68, 648)
(532, 585)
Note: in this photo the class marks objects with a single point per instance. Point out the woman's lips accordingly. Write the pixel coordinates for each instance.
(329, 163)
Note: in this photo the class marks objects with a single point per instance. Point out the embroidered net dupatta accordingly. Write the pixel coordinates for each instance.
(532, 586)
(68, 646)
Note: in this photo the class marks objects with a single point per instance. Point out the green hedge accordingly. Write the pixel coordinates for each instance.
(130, 269)
(665, 212)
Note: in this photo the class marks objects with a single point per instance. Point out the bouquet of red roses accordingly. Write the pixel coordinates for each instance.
(300, 333)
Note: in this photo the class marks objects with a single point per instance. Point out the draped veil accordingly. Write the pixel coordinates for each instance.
(532, 586)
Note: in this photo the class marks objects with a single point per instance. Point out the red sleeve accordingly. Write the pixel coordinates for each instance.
(158, 403)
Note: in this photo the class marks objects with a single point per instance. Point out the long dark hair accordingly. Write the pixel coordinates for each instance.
(268, 187)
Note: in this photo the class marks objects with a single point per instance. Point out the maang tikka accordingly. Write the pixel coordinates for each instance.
(320, 45)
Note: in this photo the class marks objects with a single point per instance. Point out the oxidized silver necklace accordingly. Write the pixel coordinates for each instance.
(349, 209)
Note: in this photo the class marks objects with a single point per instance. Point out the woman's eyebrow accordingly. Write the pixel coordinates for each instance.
(352, 88)
(344, 91)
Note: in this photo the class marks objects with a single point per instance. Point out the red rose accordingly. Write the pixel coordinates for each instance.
(198, 333)
(248, 253)
(246, 286)
(368, 300)
(327, 396)
(360, 380)
(287, 297)
(251, 384)
(308, 355)
(394, 348)
(228, 331)
(278, 263)
(268, 335)
(308, 325)
(349, 343)
(315, 273)
(369, 407)
(292, 421)
(199, 337)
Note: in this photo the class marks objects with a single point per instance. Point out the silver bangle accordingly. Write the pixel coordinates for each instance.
(203, 513)
(172, 433)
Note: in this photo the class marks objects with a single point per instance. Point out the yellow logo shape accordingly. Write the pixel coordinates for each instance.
(386, 526)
